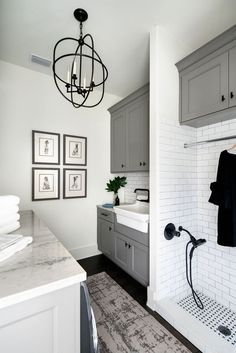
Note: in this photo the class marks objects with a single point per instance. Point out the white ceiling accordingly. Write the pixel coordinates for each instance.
(120, 29)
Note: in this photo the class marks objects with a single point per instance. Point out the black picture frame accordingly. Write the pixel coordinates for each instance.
(34, 160)
(34, 169)
(65, 196)
(65, 150)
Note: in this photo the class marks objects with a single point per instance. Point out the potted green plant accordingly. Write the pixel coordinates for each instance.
(114, 185)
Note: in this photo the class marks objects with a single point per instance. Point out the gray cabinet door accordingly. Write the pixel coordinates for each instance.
(232, 77)
(118, 148)
(137, 134)
(139, 261)
(105, 237)
(205, 89)
(121, 250)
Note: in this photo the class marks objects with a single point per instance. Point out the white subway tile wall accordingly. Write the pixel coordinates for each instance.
(185, 177)
(134, 181)
(216, 264)
(178, 205)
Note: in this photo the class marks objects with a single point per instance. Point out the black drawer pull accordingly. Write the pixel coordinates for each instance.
(231, 94)
(104, 214)
(222, 98)
(122, 165)
(126, 244)
(140, 163)
(110, 228)
(144, 163)
(129, 246)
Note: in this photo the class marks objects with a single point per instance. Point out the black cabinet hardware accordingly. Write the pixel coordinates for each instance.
(222, 98)
(144, 163)
(110, 228)
(126, 244)
(140, 163)
(231, 94)
(104, 214)
(129, 246)
(122, 165)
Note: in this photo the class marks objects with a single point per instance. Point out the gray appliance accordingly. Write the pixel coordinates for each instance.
(88, 329)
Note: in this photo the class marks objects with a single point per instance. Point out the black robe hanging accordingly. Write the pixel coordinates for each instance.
(224, 195)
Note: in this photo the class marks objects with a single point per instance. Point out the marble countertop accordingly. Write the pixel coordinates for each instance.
(42, 267)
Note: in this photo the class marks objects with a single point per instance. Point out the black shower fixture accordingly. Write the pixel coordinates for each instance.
(170, 232)
(86, 70)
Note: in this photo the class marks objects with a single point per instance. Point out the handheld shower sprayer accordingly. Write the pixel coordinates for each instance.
(169, 232)
(194, 241)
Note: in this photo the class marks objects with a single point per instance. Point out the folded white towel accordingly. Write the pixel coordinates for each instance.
(9, 200)
(8, 210)
(11, 250)
(4, 221)
(9, 219)
(9, 228)
(7, 240)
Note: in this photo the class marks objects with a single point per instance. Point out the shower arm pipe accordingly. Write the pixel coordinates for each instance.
(188, 145)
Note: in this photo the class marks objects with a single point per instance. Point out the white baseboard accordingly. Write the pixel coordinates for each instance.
(84, 251)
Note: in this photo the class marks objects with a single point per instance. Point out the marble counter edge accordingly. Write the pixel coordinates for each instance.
(41, 290)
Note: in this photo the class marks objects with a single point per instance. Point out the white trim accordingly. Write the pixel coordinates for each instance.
(85, 251)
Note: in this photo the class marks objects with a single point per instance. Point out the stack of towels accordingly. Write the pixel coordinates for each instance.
(9, 213)
(9, 222)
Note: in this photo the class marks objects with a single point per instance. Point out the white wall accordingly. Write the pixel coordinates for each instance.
(173, 180)
(30, 101)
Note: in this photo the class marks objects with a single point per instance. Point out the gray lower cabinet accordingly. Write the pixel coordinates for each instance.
(207, 81)
(131, 255)
(130, 133)
(105, 237)
(121, 251)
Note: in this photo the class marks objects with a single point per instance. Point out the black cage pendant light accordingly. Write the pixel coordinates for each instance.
(79, 72)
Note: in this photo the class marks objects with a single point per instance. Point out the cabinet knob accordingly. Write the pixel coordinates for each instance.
(122, 165)
(231, 94)
(140, 163)
(222, 98)
(126, 244)
(110, 228)
(129, 246)
(144, 163)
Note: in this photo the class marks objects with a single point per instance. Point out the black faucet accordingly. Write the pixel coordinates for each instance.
(143, 190)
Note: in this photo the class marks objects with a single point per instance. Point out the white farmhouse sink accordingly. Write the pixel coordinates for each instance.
(135, 216)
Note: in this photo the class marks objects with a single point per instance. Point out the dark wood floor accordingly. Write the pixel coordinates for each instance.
(100, 263)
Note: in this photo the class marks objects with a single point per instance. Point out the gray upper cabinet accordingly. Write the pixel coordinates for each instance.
(118, 141)
(205, 89)
(232, 77)
(207, 81)
(130, 133)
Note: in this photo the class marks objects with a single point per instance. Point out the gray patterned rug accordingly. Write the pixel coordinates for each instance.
(123, 325)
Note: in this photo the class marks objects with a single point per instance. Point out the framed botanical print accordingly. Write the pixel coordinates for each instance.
(74, 183)
(75, 150)
(45, 184)
(45, 147)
